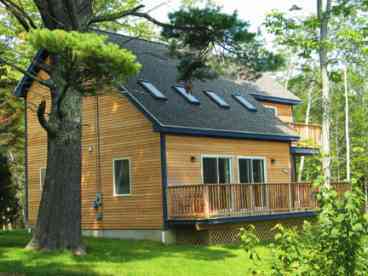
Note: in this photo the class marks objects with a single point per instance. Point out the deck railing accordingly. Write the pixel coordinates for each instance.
(310, 134)
(225, 200)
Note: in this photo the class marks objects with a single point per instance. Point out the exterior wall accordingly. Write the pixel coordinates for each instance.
(181, 149)
(124, 133)
(36, 147)
(284, 111)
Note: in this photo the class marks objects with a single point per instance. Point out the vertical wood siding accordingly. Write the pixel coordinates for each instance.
(181, 149)
(125, 132)
(284, 111)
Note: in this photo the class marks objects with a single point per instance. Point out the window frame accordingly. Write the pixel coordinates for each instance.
(244, 102)
(40, 174)
(155, 94)
(272, 107)
(217, 99)
(217, 156)
(130, 176)
(190, 98)
(253, 158)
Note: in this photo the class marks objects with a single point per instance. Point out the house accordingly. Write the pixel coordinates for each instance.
(163, 164)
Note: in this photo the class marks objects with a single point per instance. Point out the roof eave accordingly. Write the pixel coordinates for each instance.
(25, 83)
(223, 133)
(276, 99)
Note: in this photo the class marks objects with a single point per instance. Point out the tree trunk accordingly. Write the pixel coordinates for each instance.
(324, 8)
(307, 117)
(347, 134)
(59, 216)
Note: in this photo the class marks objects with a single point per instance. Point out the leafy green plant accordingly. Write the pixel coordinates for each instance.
(335, 245)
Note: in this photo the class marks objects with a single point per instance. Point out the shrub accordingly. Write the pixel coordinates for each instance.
(335, 245)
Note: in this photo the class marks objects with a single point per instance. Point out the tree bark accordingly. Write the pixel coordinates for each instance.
(324, 8)
(347, 132)
(307, 116)
(59, 217)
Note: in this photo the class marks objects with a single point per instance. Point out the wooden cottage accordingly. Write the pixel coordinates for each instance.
(163, 164)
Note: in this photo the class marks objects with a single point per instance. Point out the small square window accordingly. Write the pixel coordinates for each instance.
(42, 177)
(122, 177)
(189, 97)
(153, 90)
(273, 109)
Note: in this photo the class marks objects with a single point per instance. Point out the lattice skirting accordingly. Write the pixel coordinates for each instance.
(229, 233)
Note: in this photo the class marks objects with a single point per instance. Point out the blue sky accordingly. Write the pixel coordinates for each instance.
(253, 11)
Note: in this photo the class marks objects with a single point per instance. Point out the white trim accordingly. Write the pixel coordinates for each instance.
(230, 157)
(253, 158)
(130, 176)
(272, 107)
(40, 174)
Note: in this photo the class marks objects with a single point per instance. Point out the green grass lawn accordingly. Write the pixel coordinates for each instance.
(124, 257)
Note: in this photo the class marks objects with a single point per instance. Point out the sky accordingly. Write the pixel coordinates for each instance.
(253, 11)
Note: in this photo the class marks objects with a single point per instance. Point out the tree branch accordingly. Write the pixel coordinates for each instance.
(114, 16)
(48, 83)
(20, 14)
(42, 119)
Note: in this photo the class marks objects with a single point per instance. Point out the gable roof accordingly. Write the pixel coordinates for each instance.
(270, 90)
(177, 115)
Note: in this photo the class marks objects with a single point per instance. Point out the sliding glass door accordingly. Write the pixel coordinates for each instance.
(252, 170)
(217, 173)
(216, 170)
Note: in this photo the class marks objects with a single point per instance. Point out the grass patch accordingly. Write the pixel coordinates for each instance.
(124, 257)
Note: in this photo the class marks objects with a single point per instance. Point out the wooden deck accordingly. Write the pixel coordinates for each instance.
(310, 135)
(205, 201)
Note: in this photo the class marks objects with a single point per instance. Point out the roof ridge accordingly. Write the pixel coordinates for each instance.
(161, 43)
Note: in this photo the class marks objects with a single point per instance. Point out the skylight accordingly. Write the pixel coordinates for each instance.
(217, 99)
(153, 90)
(189, 97)
(244, 102)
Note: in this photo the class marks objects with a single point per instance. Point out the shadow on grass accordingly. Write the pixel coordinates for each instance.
(109, 252)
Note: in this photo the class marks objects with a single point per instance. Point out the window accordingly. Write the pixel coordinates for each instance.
(189, 97)
(272, 108)
(244, 102)
(153, 90)
(122, 177)
(216, 170)
(217, 99)
(42, 177)
(252, 170)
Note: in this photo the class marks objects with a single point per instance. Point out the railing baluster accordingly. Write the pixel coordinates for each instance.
(216, 200)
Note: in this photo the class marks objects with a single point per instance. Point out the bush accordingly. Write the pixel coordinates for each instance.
(9, 205)
(335, 245)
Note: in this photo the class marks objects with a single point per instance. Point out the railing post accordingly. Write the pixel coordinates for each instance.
(289, 196)
(251, 196)
(206, 199)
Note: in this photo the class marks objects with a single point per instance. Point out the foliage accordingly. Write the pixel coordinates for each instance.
(335, 245)
(136, 28)
(97, 60)
(199, 34)
(9, 205)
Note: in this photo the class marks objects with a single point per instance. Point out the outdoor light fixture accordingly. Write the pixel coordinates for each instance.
(273, 161)
(193, 158)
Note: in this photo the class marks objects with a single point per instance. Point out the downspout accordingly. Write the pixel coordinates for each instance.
(164, 179)
(98, 205)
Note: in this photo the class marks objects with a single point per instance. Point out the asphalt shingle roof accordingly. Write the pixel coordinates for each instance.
(177, 115)
(176, 112)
